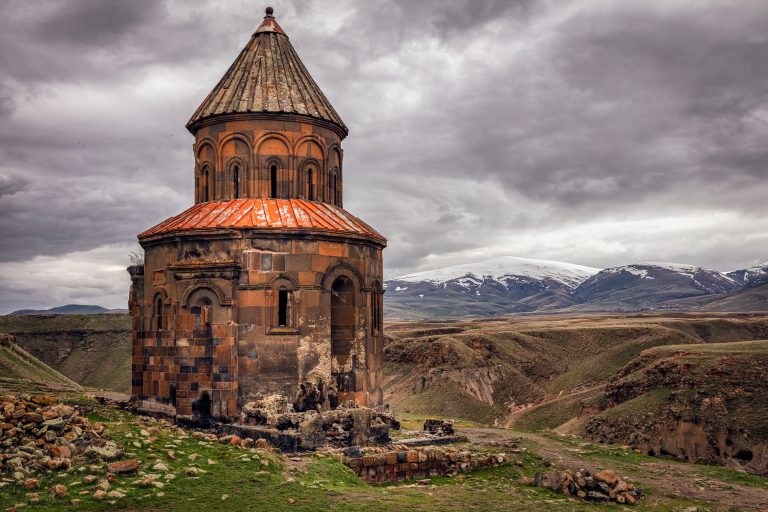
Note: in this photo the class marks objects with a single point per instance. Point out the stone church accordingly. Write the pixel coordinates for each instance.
(266, 286)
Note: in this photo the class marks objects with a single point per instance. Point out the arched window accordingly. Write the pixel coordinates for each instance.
(159, 312)
(236, 181)
(273, 181)
(310, 192)
(204, 184)
(283, 298)
(333, 188)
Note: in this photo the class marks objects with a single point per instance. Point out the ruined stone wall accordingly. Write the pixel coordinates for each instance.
(393, 465)
(234, 157)
(206, 322)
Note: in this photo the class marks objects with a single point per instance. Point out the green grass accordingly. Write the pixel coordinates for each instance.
(243, 479)
(16, 364)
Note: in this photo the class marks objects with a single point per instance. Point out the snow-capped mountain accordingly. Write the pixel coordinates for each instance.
(505, 268)
(752, 276)
(650, 286)
(509, 284)
(486, 288)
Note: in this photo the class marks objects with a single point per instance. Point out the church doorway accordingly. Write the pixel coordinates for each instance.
(201, 410)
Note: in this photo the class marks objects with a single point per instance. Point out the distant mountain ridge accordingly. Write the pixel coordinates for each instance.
(523, 285)
(487, 288)
(649, 285)
(69, 309)
(752, 276)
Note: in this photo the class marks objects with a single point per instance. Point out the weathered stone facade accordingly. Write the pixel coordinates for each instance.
(265, 286)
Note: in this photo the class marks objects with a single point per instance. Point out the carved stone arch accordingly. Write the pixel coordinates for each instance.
(242, 137)
(334, 148)
(224, 162)
(313, 139)
(330, 163)
(272, 135)
(281, 165)
(334, 186)
(242, 186)
(205, 182)
(317, 166)
(222, 299)
(205, 141)
(286, 280)
(160, 292)
(272, 148)
(283, 299)
(159, 312)
(342, 269)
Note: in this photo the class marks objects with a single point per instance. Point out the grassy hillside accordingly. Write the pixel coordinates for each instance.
(18, 366)
(703, 403)
(93, 350)
(538, 372)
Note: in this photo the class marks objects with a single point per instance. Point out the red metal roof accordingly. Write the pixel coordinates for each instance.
(283, 214)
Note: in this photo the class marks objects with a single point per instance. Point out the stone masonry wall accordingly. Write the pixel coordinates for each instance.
(393, 465)
(233, 350)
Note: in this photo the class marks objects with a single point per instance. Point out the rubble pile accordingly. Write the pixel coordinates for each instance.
(397, 463)
(275, 419)
(602, 486)
(438, 428)
(39, 434)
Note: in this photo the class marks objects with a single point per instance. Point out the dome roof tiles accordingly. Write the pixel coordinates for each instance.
(267, 76)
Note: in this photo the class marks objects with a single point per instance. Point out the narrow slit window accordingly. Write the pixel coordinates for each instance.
(282, 308)
(236, 181)
(333, 188)
(159, 312)
(310, 194)
(273, 181)
(204, 185)
(375, 307)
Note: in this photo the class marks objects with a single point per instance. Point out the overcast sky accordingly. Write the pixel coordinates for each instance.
(598, 132)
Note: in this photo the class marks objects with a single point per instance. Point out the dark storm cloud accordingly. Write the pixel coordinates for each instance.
(95, 22)
(592, 131)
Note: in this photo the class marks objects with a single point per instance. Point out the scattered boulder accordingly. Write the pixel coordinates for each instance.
(123, 466)
(31, 483)
(59, 490)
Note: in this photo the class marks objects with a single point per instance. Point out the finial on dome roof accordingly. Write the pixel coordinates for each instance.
(270, 23)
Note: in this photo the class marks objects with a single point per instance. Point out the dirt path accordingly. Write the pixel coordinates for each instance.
(668, 478)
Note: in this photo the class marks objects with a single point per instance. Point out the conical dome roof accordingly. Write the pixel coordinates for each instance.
(267, 76)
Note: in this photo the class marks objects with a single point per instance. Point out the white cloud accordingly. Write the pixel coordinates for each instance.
(97, 276)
